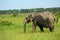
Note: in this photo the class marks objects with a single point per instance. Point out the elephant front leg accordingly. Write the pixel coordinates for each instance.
(33, 28)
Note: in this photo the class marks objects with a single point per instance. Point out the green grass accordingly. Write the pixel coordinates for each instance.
(11, 28)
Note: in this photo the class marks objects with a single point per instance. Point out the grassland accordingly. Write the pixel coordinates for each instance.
(11, 28)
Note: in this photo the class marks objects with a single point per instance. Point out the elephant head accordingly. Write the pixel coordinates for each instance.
(29, 18)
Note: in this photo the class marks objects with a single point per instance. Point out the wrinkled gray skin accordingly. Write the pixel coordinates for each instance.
(43, 19)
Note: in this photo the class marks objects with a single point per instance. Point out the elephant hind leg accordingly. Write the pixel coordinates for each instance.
(51, 28)
(41, 28)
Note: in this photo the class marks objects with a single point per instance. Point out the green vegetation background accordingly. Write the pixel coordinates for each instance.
(11, 25)
(11, 28)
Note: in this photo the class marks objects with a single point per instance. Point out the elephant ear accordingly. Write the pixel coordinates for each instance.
(33, 15)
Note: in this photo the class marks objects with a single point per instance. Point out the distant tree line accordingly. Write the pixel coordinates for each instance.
(14, 11)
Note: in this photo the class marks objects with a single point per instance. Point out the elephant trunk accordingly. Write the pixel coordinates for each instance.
(24, 27)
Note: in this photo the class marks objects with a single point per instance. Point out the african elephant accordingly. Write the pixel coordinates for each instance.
(44, 19)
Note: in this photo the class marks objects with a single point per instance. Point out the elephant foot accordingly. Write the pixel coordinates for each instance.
(51, 30)
(42, 31)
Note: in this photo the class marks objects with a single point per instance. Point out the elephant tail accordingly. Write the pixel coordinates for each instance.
(57, 20)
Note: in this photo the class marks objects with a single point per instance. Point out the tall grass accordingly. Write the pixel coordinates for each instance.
(12, 29)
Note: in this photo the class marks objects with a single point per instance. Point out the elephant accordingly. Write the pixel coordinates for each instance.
(42, 19)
